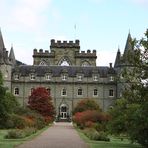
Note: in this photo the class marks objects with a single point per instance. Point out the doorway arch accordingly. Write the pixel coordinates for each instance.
(64, 111)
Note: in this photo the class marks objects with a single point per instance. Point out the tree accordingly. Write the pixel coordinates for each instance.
(40, 101)
(86, 104)
(8, 103)
(129, 114)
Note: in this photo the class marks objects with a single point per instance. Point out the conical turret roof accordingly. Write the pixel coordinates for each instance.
(12, 56)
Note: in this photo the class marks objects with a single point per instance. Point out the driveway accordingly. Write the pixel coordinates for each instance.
(60, 135)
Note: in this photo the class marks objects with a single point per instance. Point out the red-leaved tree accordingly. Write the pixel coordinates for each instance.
(40, 101)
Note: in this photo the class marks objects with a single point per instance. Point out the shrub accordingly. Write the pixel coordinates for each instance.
(94, 135)
(81, 118)
(14, 134)
(86, 104)
(34, 119)
(17, 121)
(19, 133)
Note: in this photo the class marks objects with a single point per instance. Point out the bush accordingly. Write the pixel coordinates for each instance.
(83, 118)
(17, 121)
(14, 134)
(34, 119)
(19, 133)
(86, 104)
(94, 135)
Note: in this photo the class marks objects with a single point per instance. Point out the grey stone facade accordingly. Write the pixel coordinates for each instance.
(68, 73)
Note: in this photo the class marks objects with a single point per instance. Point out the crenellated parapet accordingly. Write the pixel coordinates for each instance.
(41, 53)
(65, 44)
(87, 54)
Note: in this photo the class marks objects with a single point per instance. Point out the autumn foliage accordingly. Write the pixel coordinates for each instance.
(86, 104)
(87, 118)
(41, 101)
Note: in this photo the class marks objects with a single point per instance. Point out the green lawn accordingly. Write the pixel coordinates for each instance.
(11, 143)
(114, 142)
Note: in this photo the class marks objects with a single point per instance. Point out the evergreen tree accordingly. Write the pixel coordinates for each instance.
(129, 114)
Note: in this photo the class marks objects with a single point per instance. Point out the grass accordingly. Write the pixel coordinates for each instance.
(11, 143)
(114, 142)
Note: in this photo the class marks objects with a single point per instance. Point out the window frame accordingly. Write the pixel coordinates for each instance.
(79, 77)
(80, 92)
(32, 76)
(16, 76)
(111, 93)
(16, 91)
(64, 92)
(95, 92)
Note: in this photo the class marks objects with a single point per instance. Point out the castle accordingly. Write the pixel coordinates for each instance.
(68, 73)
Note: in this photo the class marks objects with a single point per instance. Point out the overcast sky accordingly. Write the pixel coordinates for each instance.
(98, 24)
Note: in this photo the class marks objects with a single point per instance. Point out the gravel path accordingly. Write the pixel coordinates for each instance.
(60, 135)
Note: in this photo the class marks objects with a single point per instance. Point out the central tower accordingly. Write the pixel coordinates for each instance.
(65, 54)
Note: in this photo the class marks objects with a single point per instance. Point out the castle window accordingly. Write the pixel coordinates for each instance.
(79, 77)
(64, 92)
(95, 93)
(85, 64)
(64, 62)
(111, 93)
(64, 77)
(16, 76)
(80, 92)
(48, 77)
(48, 89)
(95, 78)
(16, 91)
(43, 63)
(111, 78)
(32, 77)
(32, 89)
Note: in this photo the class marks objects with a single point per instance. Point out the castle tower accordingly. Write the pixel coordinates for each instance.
(65, 54)
(123, 62)
(5, 64)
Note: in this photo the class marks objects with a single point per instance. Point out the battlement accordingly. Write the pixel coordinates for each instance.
(87, 53)
(65, 44)
(40, 52)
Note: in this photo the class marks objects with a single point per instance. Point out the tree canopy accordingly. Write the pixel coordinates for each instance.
(41, 101)
(129, 114)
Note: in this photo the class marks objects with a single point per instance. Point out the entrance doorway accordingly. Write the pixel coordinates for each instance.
(63, 111)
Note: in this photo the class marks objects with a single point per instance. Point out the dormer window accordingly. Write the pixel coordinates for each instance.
(64, 77)
(79, 77)
(95, 78)
(32, 76)
(111, 78)
(16, 76)
(48, 77)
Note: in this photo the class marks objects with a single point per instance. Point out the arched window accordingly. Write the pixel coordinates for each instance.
(64, 62)
(16, 91)
(85, 63)
(43, 63)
